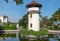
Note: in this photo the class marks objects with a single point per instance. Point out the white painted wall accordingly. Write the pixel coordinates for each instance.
(34, 20)
(33, 8)
(3, 20)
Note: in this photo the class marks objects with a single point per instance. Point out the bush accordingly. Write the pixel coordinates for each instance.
(7, 26)
(53, 28)
(36, 33)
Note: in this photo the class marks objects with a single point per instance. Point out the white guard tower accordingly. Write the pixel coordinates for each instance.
(33, 15)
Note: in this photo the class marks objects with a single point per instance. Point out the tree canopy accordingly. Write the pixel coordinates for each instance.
(24, 21)
(56, 15)
(17, 1)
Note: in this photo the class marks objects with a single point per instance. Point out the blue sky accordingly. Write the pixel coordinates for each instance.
(15, 12)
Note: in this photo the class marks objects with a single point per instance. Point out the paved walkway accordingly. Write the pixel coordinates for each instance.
(54, 31)
(9, 31)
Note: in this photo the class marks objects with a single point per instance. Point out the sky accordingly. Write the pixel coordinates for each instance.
(15, 12)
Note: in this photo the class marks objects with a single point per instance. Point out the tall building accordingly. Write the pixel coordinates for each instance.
(33, 15)
(3, 19)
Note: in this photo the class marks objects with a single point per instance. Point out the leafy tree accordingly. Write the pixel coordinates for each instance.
(17, 1)
(24, 21)
(54, 19)
(44, 22)
(50, 22)
(56, 15)
(5, 16)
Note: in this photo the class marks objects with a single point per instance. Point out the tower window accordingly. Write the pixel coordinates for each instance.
(30, 15)
(31, 25)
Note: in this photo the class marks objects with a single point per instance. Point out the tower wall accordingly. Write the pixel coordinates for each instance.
(34, 20)
(33, 8)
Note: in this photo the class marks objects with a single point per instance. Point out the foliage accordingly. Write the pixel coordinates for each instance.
(1, 27)
(51, 35)
(17, 1)
(5, 16)
(56, 15)
(24, 21)
(31, 32)
(7, 26)
(8, 35)
(43, 22)
(49, 23)
(55, 18)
